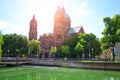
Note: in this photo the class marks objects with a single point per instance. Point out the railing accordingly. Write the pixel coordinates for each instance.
(77, 63)
(42, 59)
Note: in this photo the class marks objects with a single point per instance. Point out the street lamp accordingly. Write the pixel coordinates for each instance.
(17, 56)
(92, 53)
(89, 55)
(8, 52)
(83, 55)
(89, 47)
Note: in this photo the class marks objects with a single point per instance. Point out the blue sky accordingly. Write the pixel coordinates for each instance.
(15, 15)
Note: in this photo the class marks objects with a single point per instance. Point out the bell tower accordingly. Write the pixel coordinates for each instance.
(33, 29)
(62, 23)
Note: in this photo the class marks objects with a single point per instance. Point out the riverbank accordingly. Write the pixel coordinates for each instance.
(101, 65)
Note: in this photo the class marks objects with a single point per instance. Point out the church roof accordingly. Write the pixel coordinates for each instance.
(74, 30)
(49, 33)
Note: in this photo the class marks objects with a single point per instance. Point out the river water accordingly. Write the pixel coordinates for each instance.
(55, 73)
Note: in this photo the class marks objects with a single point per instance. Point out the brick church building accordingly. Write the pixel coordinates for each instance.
(62, 30)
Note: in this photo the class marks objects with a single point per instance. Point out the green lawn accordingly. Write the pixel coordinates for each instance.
(40, 73)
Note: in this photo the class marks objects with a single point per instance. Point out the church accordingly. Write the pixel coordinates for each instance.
(62, 30)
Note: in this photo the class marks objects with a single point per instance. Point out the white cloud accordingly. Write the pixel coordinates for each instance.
(7, 28)
(3, 24)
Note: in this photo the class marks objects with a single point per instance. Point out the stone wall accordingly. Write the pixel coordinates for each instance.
(85, 65)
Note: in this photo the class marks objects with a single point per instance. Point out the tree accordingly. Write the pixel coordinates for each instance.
(34, 48)
(71, 42)
(1, 43)
(90, 43)
(15, 45)
(79, 49)
(53, 50)
(65, 50)
(111, 33)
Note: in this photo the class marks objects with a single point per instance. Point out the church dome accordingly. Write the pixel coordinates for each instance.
(66, 16)
(61, 14)
(33, 21)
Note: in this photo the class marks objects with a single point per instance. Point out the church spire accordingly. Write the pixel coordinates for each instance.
(62, 5)
(63, 9)
(33, 16)
(33, 29)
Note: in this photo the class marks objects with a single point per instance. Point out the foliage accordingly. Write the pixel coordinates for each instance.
(1, 43)
(79, 48)
(14, 42)
(91, 44)
(71, 42)
(53, 50)
(83, 43)
(65, 50)
(111, 33)
(34, 47)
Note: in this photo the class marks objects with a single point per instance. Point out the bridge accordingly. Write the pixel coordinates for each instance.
(14, 61)
(104, 65)
(35, 61)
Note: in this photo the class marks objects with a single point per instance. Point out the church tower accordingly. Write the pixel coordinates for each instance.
(33, 29)
(62, 23)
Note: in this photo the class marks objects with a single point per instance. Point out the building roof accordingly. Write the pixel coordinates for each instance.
(74, 30)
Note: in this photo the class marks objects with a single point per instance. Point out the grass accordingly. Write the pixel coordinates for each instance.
(43, 73)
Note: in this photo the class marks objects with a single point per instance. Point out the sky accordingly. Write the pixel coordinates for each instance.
(15, 15)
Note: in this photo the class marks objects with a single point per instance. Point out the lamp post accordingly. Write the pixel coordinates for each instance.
(8, 52)
(17, 56)
(89, 48)
(89, 56)
(92, 53)
(83, 55)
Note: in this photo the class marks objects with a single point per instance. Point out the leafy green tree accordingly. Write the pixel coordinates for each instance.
(71, 42)
(111, 33)
(65, 50)
(15, 45)
(1, 43)
(88, 44)
(34, 48)
(91, 44)
(53, 50)
(79, 49)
